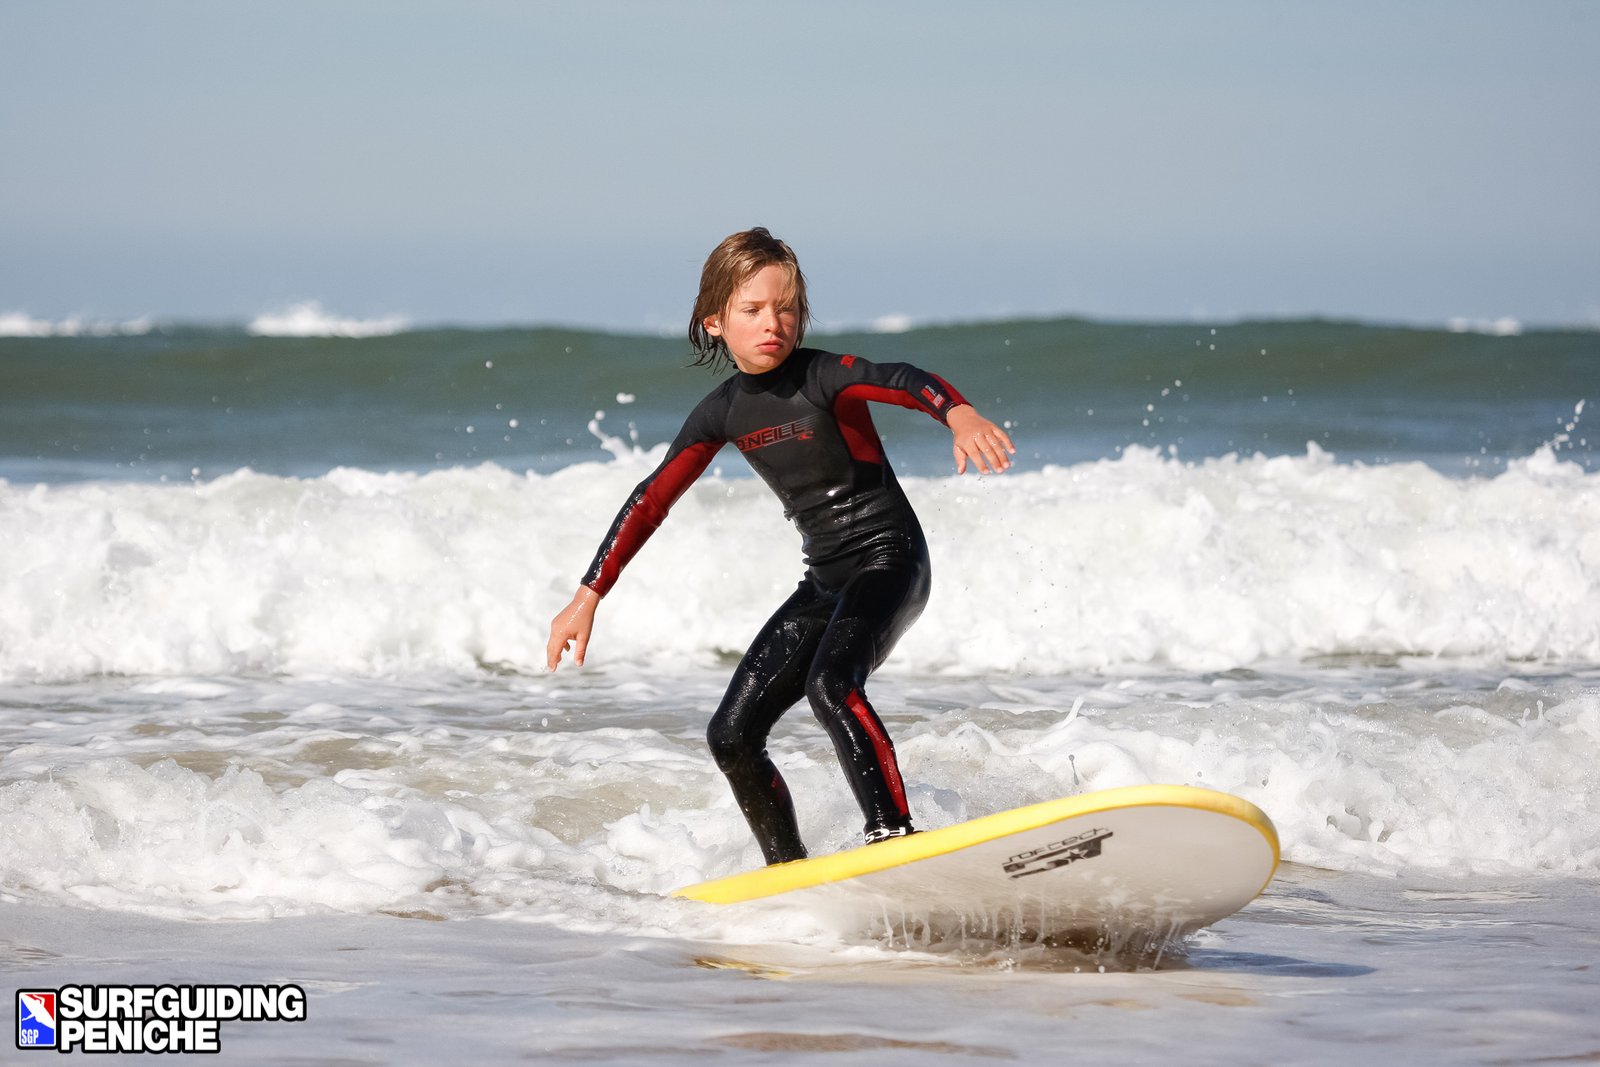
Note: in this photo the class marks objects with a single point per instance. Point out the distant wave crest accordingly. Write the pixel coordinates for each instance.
(308, 319)
(1501, 327)
(21, 324)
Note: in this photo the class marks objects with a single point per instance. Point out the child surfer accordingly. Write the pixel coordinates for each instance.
(800, 417)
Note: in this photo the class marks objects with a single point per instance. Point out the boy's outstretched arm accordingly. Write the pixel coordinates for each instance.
(572, 624)
(976, 438)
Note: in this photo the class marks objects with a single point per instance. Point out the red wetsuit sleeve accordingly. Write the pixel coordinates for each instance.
(850, 382)
(647, 507)
(892, 383)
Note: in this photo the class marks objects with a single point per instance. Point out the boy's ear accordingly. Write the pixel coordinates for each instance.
(713, 325)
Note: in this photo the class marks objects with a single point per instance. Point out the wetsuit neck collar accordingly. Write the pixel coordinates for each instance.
(766, 379)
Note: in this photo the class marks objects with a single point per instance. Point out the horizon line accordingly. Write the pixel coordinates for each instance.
(307, 319)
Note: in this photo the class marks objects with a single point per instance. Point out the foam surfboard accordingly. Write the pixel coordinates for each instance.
(1153, 860)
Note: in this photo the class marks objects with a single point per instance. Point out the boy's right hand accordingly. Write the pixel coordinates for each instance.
(572, 624)
(979, 440)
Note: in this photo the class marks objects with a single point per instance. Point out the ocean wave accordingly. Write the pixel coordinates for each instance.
(219, 399)
(307, 319)
(1501, 327)
(1140, 560)
(892, 323)
(322, 807)
(21, 324)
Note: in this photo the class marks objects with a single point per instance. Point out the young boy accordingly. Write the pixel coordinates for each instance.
(800, 417)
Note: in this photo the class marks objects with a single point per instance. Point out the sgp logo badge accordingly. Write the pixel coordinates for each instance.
(36, 1018)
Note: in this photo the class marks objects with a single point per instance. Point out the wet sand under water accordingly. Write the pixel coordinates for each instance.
(1324, 968)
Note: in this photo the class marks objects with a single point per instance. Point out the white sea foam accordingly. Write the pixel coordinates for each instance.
(330, 807)
(1141, 560)
(307, 319)
(21, 324)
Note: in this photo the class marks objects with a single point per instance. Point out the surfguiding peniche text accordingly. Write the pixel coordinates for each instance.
(147, 1018)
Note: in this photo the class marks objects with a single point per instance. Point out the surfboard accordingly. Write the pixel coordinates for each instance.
(1118, 866)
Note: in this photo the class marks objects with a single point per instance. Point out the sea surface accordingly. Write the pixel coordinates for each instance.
(273, 606)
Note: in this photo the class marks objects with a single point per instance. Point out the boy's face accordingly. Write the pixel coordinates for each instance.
(760, 324)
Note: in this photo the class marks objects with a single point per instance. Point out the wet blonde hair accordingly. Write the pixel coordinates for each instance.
(732, 263)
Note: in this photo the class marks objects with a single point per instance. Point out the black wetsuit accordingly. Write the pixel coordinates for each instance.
(805, 428)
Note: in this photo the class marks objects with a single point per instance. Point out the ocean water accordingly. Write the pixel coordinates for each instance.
(273, 607)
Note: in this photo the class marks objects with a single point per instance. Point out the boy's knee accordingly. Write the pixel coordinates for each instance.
(728, 746)
(826, 691)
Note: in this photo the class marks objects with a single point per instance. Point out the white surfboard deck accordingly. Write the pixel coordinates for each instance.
(1142, 861)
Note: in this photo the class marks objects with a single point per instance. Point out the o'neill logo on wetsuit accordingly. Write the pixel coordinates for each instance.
(799, 430)
(1056, 854)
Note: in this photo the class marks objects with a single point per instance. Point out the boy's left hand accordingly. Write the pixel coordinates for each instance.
(976, 438)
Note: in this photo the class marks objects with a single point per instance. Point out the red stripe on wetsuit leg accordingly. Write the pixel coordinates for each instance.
(666, 486)
(882, 746)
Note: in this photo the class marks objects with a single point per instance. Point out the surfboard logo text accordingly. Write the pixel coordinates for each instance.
(1057, 854)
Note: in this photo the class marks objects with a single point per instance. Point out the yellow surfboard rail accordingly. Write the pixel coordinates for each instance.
(898, 851)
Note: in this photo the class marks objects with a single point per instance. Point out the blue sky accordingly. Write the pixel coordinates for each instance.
(573, 163)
